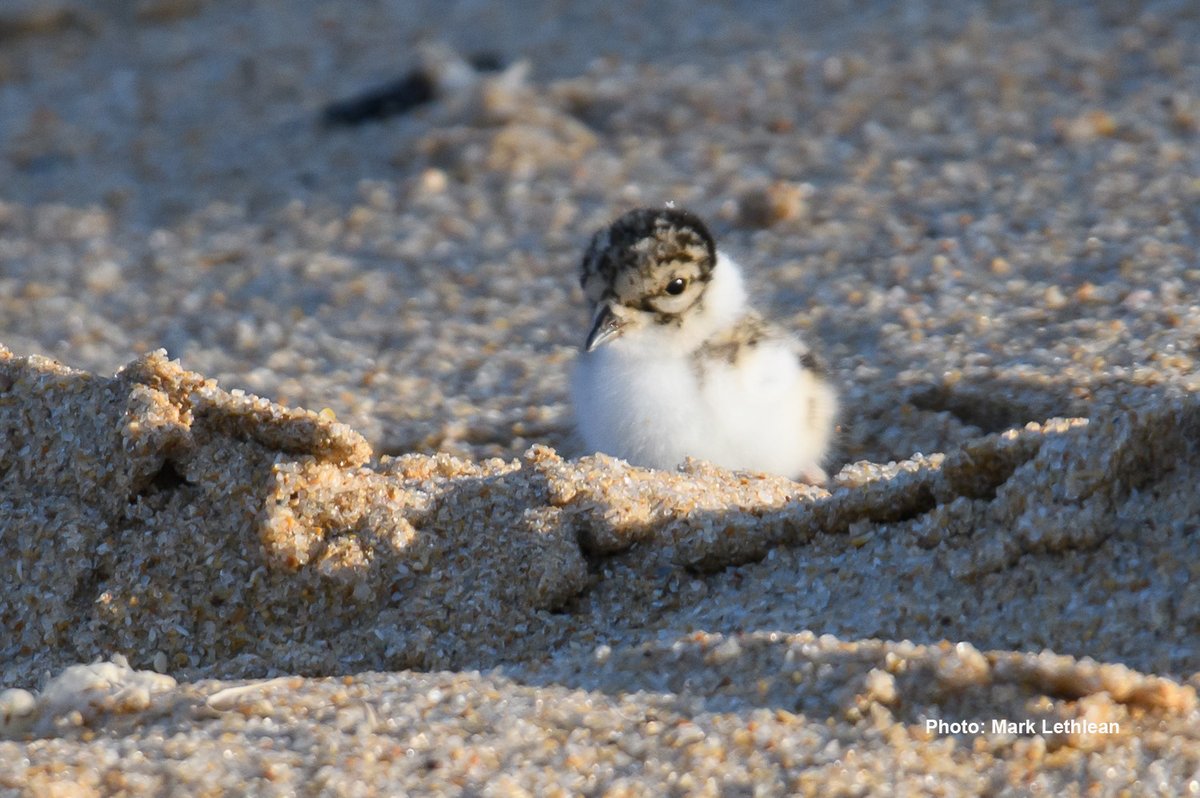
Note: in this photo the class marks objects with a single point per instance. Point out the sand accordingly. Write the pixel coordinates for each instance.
(326, 527)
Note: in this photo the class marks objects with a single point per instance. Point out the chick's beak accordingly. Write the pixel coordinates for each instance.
(605, 327)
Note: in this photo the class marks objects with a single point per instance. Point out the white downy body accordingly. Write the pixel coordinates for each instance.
(652, 396)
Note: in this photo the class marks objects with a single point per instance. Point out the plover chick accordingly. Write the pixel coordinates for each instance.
(677, 364)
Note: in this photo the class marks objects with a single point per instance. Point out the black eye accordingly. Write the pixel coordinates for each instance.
(676, 286)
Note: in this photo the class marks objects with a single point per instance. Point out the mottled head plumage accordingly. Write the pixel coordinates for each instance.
(634, 260)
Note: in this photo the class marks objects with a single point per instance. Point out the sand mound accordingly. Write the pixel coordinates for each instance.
(193, 529)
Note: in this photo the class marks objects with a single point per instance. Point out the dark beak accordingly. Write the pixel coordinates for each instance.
(605, 327)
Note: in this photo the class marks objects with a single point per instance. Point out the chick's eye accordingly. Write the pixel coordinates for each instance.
(676, 286)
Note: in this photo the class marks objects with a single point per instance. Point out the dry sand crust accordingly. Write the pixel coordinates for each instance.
(987, 222)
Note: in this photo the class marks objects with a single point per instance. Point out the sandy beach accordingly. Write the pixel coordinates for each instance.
(290, 496)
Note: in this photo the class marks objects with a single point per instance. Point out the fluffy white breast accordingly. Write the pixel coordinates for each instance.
(643, 408)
